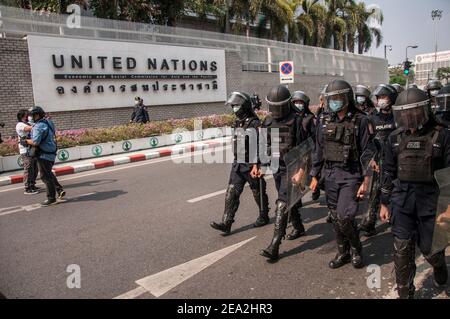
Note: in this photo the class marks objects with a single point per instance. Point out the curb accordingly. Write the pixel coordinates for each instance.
(72, 169)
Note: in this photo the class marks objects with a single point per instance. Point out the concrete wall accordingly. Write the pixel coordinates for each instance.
(16, 92)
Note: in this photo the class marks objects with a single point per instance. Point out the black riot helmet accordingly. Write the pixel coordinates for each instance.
(37, 110)
(362, 90)
(412, 109)
(339, 94)
(433, 87)
(279, 99)
(385, 90)
(240, 103)
(398, 88)
(443, 100)
(413, 85)
(362, 94)
(300, 102)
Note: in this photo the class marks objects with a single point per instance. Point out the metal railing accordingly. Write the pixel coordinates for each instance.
(256, 54)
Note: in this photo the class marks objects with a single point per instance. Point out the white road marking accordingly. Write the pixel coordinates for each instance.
(29, 208)
(127, 166)
(222, 191)
(132, 293)
(162, 282)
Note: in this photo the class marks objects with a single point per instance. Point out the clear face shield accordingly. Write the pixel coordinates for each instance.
(442, 103)
(412, 115)
(337, 100)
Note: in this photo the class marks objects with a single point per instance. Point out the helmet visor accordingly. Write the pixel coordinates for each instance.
(337, 100)
(235, 99)
(412, 115)
(443, 103)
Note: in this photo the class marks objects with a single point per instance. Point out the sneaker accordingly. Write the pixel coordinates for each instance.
(38, 189)
(61, 194)
(49, 202)
(30, 191)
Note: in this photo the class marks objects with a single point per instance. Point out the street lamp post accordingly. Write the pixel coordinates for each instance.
(390, 49)
(406, 60)
(435, 15)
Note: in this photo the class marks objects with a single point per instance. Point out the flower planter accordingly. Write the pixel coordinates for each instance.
(96, 150)
(13, 163)
(68, 154)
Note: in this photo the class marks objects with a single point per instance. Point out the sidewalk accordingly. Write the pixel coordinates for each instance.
(16, 177)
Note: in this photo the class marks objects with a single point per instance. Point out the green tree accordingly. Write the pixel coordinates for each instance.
(400, 79)
(443, 73)
(58, 6)
(368, 20)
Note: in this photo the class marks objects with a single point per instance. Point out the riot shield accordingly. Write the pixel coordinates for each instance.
(441, 234)
(298, 160)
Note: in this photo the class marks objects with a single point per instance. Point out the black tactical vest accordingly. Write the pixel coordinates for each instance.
(287, 130)
(245, 129)
(416, 155)
(340, 140)
(382, 126)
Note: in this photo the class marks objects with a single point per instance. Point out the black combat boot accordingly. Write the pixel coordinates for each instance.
(351, 233)
(329, 219)
(263, 218)
(231, 206)
(297, 225)
(343, 256)
(405, 267)
(281, 220)
(440, 270)
(368, 223)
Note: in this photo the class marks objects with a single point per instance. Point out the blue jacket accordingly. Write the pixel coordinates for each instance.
(43, 134)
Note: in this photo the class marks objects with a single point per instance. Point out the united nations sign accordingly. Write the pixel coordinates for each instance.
(77, 74)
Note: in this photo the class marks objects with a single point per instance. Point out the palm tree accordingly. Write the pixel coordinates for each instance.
(276, 13)
(370, 19)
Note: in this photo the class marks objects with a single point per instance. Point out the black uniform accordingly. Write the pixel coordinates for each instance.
(383, 124)
(408, 186)
(290, 133)
(339, 147)
(246, 129)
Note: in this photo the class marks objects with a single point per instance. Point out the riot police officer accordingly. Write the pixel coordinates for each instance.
(432, 88)
(286, 121)
(305, 118)
(363, 102)
(382, 123)
(442, 110)
(413, 152)
(341, 139)
(243, 171)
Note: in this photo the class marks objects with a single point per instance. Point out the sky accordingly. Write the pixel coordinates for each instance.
(408, 22)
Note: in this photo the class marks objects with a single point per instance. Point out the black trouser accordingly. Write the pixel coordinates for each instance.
(30, 170)
(51, 182)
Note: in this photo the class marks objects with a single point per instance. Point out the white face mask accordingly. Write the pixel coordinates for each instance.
(360, 99)
(300, 106)
(434, 92)
(136, 103)
(236, 108)
(383, 103)
(30, 119)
